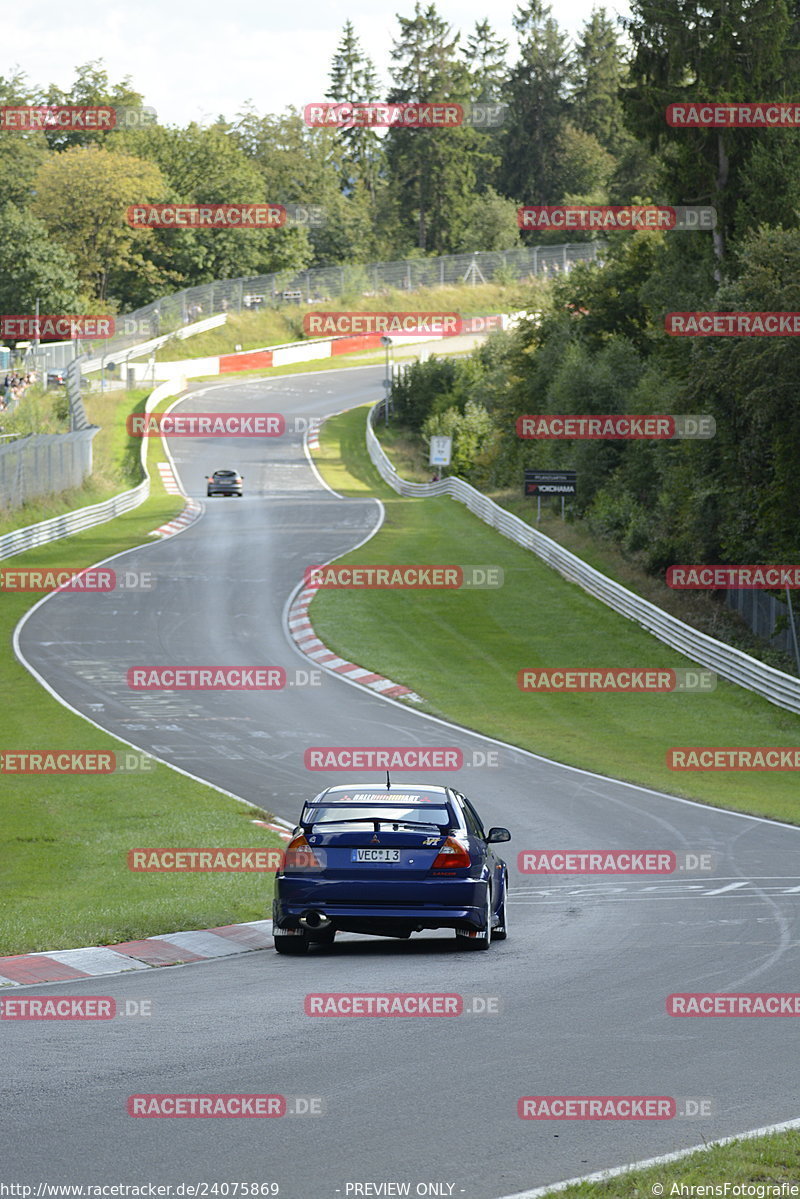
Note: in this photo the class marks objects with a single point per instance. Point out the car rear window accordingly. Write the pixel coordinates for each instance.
(224, 474)
(402, 813)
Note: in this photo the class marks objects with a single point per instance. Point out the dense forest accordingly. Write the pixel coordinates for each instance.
(600, 345)
(584, 122)
(384, 194)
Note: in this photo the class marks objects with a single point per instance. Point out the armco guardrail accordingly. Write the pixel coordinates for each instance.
(96, 514)
(72, 522)
(775, 685)
(57, 355)
(120, 350)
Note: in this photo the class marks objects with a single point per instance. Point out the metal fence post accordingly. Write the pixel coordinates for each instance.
(20, 483)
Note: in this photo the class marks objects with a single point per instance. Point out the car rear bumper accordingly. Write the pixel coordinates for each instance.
(446, 903)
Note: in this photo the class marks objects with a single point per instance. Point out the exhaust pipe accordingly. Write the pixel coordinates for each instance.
(313, 920)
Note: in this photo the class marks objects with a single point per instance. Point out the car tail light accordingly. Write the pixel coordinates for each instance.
(453, 855)
(300, 855)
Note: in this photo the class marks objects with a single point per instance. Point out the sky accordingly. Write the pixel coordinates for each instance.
(204, 58)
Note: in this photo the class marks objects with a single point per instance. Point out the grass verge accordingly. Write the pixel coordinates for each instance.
(461, 651)
(760, 1163)
(64, 838)
(408, 452)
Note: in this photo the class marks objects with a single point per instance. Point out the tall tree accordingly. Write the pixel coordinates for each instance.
(301, 166)
(206, 164)
(91, 86)
(82, 195)
(749, 384)
(433, 170)
(537, 94)
(353, 77)
(34, 267)
(21, 152)
(720, 51)
(599, 70)
(485, 58)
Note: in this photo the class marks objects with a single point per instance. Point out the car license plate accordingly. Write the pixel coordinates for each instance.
(375, 855)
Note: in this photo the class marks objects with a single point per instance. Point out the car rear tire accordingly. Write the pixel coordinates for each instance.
(484, 938)
(295, 946)
(501, 932)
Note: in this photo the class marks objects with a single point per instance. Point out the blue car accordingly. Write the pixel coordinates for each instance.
(389, 861)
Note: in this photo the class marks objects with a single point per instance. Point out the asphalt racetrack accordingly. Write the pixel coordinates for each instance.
(579, 986)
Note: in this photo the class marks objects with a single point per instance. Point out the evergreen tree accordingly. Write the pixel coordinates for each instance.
(485, 58)
(353, 77)
(599, 72)
(433, 170)
(537, 94)
(728, 51)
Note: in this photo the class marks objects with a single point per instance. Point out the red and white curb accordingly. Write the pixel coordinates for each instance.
(309, 644)
(280, 829)
(182, 520)
(168, 479)
(312, 439)
(171, 949)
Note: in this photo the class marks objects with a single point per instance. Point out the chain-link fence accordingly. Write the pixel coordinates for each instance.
(318, 285)
(43, 463)
(768, 617)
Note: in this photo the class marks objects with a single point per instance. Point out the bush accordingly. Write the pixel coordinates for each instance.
(418, 388)
(470, 431)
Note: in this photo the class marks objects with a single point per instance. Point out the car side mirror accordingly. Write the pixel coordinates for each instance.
(498, 834)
